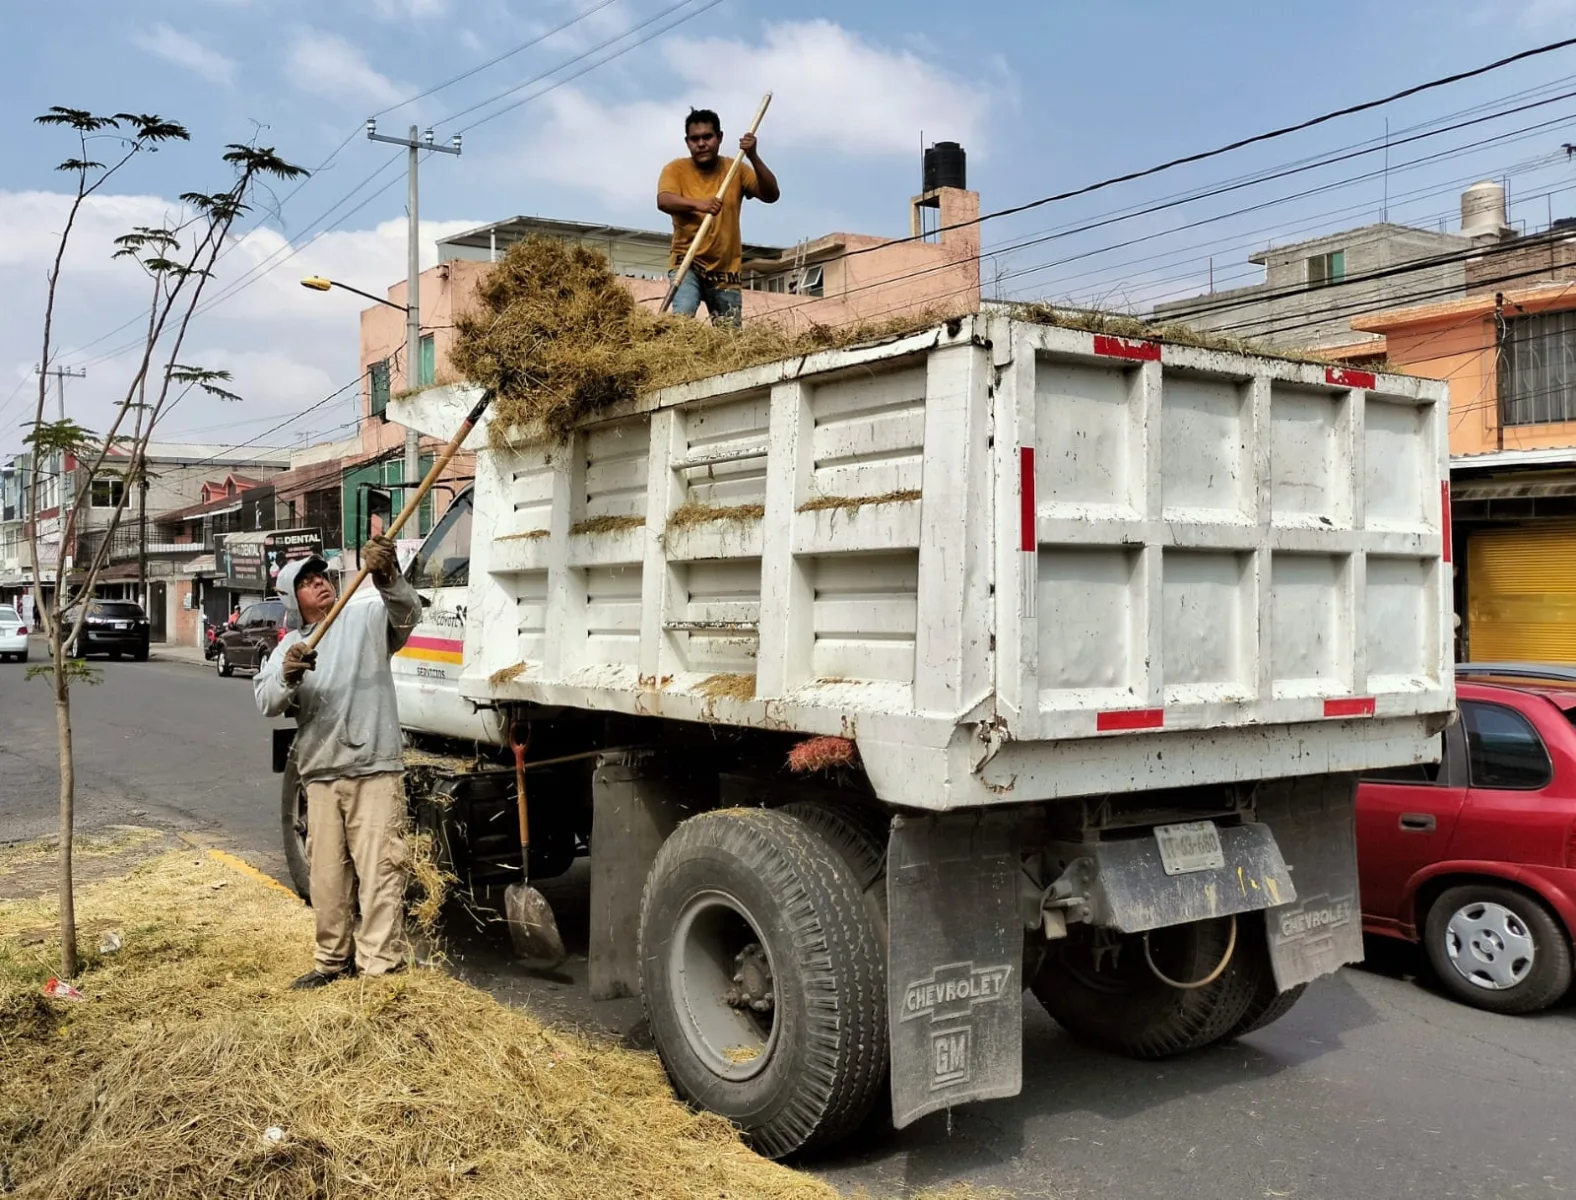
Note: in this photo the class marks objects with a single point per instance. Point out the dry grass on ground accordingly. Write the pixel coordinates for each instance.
(189, 1049)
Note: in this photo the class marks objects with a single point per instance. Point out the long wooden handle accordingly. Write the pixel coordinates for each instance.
(705, 226)
(405, 514)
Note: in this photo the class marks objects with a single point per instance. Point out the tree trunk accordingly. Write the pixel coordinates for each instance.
(68, 788)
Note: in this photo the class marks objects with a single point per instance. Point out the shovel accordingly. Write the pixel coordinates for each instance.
(532, 927)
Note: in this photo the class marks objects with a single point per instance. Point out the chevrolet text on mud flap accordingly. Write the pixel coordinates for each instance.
(1295, 924)
(953, 990)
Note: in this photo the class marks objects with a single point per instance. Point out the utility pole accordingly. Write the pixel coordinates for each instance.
(62, 374)
(414, 144)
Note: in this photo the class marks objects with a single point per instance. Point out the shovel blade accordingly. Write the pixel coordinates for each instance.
(532, 927)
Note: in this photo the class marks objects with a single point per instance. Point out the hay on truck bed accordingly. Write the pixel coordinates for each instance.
(559, 339)
(189, 1049)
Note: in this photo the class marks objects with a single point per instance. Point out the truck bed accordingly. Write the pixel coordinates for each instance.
(1012, 561)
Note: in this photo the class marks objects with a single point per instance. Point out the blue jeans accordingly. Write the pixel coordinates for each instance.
(725, 305)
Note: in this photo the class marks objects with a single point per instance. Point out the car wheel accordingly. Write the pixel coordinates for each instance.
(115, 655)
(223, 663)
(1498, 949)
(141, 653)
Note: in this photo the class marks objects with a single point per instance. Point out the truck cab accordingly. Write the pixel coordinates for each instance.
(427, 668)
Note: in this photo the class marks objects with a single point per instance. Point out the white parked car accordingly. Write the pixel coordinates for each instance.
(13, 636)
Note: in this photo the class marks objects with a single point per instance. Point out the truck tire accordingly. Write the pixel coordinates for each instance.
(1498, 949)
(751, 905)
(1107, 995)
(858, 833)
(1269, 1004)
(292, 824)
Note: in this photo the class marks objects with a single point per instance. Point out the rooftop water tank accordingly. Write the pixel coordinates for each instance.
(1483, 208)
(946, 166)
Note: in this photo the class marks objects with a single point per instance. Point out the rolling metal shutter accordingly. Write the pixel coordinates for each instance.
(1521, 595)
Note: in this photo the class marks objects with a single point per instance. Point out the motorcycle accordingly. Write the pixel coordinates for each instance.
(210, 646)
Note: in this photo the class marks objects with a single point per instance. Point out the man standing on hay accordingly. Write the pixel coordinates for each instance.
(687, 191)
(350, 757)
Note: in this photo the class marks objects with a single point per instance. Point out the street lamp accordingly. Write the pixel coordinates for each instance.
(318, 284)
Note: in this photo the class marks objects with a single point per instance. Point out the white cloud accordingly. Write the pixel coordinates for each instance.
(326, 65)
(186, 51)
(286, 347)
(833, 92)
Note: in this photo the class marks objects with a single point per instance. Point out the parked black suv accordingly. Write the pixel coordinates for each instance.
(113, 627)
(247, 642)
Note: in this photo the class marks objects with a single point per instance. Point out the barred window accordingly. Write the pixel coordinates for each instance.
(1537, 369)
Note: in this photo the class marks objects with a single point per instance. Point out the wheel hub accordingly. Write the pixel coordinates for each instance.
(1490, 946)
(752, 981)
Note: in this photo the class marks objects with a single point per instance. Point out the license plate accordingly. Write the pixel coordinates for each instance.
(1194, 846)
(122, 624)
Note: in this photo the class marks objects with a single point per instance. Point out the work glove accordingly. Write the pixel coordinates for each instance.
(298, 661)
(380, 557)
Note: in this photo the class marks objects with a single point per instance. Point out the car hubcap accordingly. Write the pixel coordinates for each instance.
(1490, 946)
(721, 978)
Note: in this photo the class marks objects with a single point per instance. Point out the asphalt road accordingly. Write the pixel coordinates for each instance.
(1373, 1087)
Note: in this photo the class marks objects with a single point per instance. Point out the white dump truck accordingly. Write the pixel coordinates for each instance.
(1079, 643)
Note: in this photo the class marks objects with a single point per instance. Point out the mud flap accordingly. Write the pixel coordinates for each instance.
(1314, 820)
(954, 962)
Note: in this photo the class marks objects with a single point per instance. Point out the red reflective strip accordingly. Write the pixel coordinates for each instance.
(1028, 536)
(433, 643)
(1130, 718)
(1341, 377)
(1352, 706)
(1115, 347)
(1444, 517)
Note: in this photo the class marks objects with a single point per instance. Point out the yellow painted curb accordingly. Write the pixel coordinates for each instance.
(224, 858)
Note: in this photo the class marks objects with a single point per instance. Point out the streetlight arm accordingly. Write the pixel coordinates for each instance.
(318, 284)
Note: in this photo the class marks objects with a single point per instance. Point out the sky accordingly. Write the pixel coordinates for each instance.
(587, 102)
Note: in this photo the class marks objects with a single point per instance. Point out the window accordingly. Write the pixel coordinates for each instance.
(1417, 773)
(379, 373)
(1327, 268)
(1537, 369)
(107, 493)
(427, 374)
(1503, 750)
(445, 559)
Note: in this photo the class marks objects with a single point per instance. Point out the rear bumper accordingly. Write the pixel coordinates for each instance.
(105, 640)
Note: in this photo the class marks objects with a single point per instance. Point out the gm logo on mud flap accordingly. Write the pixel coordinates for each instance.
(947, 997)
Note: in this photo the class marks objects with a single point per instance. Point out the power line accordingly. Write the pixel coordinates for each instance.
(1269, 135)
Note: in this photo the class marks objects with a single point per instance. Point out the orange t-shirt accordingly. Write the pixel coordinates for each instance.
(723, 250)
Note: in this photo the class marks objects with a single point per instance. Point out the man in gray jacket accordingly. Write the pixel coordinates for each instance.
(348, 752)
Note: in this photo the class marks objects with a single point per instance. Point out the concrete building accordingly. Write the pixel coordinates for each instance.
(1313, 288)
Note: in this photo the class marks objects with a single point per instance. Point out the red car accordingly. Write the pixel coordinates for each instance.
(1475, 856)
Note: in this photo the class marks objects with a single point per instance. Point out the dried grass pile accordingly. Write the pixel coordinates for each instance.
(560, 339)
(191, 1071)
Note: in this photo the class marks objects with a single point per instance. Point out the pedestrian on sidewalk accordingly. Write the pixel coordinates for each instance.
(349, 756)
(687, 192)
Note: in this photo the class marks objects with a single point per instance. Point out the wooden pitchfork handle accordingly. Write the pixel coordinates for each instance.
(705, 226)
(405, 514)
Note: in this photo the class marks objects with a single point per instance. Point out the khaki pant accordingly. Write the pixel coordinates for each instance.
(354, 833)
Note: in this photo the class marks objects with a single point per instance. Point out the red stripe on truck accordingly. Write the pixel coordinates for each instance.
(1115, 347)
(1444, 518)
(1130, 718)
(1351, 706)
(1028, 535)
(1341, 377)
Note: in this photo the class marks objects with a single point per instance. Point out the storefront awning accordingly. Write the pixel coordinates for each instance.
(203, 564)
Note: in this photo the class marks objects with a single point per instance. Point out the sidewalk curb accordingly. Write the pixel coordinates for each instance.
(165, 656)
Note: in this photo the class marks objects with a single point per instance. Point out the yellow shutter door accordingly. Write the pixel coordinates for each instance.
(1521, 595)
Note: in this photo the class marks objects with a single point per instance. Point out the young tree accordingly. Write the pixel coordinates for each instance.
(178, 261)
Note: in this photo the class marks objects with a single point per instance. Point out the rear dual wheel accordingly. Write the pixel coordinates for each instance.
(763, 963)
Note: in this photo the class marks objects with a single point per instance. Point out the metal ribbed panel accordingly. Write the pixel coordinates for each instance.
(1521, 595)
